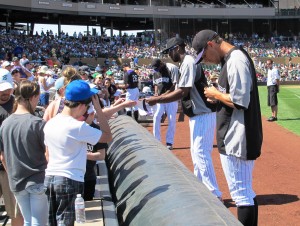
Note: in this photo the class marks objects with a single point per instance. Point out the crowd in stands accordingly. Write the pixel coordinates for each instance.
(40, 47)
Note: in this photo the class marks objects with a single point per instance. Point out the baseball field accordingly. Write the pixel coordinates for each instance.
(276, 172)
(288, 106)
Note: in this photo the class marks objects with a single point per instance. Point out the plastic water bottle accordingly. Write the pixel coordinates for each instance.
(79, 209)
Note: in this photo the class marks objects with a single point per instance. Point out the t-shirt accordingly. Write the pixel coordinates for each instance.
(90, 171)
(131, 78)
(273, 75)
(5, 111)
(22, 139)
(67, 140)
(188, 73)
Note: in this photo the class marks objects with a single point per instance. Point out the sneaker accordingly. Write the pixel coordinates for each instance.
(169, 146)
(272, 119)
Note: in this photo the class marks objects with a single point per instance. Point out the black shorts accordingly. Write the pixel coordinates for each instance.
(272, 96)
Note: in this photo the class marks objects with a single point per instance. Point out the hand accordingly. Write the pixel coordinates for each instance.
(119, 101)
(210, 93)
(96, 103)
(152, 100)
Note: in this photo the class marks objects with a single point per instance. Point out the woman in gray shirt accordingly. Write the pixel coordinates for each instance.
(22, 141)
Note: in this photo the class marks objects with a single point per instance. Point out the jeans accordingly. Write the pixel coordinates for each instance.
(33, 204)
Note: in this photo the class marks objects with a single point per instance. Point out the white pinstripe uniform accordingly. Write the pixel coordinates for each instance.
(237, 152)
(170, 109)
(202, 128)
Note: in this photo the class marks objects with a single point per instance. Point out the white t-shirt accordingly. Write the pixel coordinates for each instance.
(67, 140)
(273, 75)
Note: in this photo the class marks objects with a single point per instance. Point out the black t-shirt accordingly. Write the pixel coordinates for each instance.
(163, 81)
(131, 78)
(5, 111)
(90, 172)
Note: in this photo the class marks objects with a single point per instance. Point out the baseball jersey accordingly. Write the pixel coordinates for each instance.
(131, 78)
(163, 80)
(188, 73)
(239, 129)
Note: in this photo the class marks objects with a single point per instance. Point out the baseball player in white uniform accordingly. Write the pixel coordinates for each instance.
(132, 92)
(239, 127)
(164, 80)
(202, 124)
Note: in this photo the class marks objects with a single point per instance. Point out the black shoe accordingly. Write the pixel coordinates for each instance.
(169, 146)
(272, 119)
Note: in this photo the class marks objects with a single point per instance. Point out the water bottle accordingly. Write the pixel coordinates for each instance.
(79, 209)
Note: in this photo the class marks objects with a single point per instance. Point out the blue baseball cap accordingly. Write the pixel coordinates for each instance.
(79, 90)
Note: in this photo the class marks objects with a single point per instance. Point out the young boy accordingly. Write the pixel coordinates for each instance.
(66, 139)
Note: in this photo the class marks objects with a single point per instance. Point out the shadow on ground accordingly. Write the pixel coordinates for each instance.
(270, 199)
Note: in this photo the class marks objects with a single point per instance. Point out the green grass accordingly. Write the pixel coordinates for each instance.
(288, 106)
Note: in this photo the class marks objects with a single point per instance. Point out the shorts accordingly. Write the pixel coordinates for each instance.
(44, 99)
(11, 206)
(61, 192)
(272, 96)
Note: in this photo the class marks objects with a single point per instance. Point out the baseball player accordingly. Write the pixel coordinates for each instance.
(239, 128)
(131, 86)
(273, 89)
(202, 124)
(164, 80)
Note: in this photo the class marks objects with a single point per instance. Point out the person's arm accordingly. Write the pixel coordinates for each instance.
(155, 90)
(106, 136)
(43, 81)
(119, 105)
(47, 154)
(213, 94)
(3, 160)
(96, 156)
(169, 97)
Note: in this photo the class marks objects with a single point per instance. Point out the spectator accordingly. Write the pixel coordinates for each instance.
(6, 108)
(67, 157)
(22, 140)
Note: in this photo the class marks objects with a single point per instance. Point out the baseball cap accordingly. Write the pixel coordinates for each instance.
(5, 64)
(25, 62)
(200, 42)
(6, 80)
(15, 59)
(97, 75)
(109, 72)
(155, 64)
(79, 90)
(171, 43)
(59, 83)
(43, 69)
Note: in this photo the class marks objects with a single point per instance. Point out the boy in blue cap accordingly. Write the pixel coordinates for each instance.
(66, 139)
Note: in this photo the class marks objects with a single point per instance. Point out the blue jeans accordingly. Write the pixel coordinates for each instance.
(33, 204)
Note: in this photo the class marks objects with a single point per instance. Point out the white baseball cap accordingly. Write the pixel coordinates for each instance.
(5, 64)
(6, 81)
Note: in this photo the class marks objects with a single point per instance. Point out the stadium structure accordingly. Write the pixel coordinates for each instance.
(268, 18)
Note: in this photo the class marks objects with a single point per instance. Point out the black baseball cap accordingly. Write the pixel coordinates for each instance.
(173, 42)
(200, 42)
